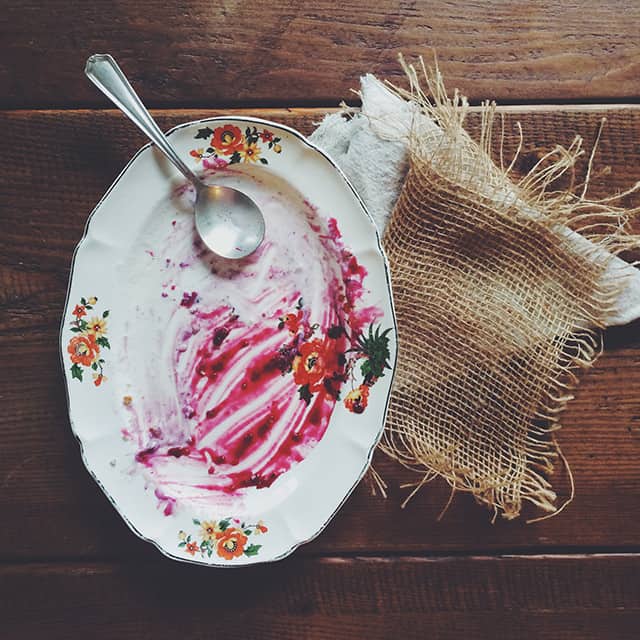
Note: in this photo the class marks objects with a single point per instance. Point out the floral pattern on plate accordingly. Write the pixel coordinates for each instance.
(228, 145)
(228, 538)
(90, 337)
(317, 365)
(202, 419)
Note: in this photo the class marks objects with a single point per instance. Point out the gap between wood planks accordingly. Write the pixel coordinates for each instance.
(373, 558)
(531, 106)
(378, 556)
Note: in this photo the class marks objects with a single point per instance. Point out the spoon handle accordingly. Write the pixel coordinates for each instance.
(105, 73)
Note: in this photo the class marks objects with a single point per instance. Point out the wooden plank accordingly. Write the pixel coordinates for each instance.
(55, 508)
(312, 52)
(44, 481)
(74, 155)
(525, 597)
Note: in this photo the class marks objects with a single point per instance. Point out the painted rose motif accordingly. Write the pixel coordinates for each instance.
(310, 366)
(90, 337)
(227, 144)
(227, 140)
(83, 350)
(227, 538)
(325, 364)
(231, 544)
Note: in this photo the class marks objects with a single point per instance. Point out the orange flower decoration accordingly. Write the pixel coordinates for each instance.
(310, 366)
(231, 544)
(292, 322)
(98, 379)
(356, 400)
(261, 527)
(192, 548)
(79, 311)
(83, 349)
(227, 140)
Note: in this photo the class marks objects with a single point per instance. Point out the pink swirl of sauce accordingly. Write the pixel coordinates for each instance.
(254, 392)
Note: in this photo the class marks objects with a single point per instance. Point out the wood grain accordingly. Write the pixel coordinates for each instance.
(532, 597)
(230, 53)
(56, 166)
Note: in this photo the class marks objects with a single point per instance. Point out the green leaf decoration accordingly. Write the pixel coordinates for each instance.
(76, 329)
(103, 342)
(88, 306)
(105, 314)
(182, 544)
(235, 158)
(375, 347)
(94, 366)
(204, 133)
(247, 532)
(252, 550)
(264, 161)
(83, 301)
(209, 552)
(196, 522)
(300, 303)
(305, 394)
(224, 524)
(76, 372)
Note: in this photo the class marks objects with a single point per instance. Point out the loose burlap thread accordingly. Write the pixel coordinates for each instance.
(496, 306)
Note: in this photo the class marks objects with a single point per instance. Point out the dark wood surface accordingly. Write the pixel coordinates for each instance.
(69, 567)
(553, 598)
(285, 52)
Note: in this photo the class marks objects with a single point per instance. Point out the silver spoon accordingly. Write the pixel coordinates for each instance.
(229, 222)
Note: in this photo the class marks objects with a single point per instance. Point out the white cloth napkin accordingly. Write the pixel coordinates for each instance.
(372, 150)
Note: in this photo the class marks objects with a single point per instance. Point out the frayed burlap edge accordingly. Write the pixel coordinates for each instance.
(449, 153)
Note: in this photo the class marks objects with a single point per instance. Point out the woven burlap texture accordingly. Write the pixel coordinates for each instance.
(496, 307)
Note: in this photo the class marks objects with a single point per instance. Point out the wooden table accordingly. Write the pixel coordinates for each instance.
(69, 565)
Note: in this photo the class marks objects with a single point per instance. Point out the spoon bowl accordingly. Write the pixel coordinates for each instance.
(229, 222)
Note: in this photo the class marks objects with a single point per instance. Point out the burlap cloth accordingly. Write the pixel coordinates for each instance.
(501, 289)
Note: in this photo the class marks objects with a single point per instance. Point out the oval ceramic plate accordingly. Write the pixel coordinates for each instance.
(228, 408)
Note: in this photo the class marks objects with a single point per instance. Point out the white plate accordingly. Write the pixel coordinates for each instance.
(227, 409)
